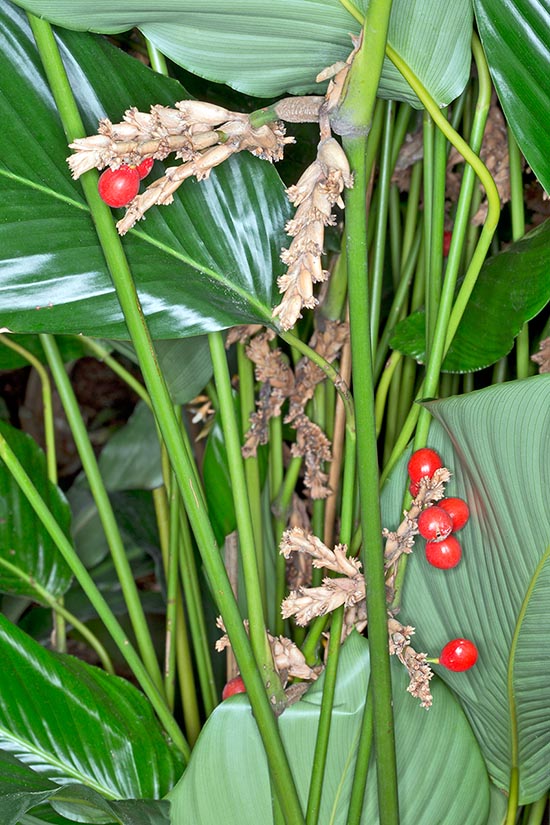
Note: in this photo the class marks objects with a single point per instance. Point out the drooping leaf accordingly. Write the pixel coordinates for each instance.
(24, 541)
(185, 363)
(22, 790)
(439, 764)
(131, 458)
(207, 262)
(267, 51)
(512, 288)
(496, 442)
(74, 723)
(516, 39)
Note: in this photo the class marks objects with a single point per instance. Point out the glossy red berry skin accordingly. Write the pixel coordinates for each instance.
(434, 523)
(458, 655)
(117, 187)
(422, 463)
(234, 686)
(458, 511)
(444, 554)
(145, 167)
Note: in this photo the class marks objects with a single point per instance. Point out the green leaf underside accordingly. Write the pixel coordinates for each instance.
(24, 542)
(270, 50)
(22, 790)
(516, 39)
(73, 723)
(440, 767)
(512, 288)
(496, 444)
(207, 262)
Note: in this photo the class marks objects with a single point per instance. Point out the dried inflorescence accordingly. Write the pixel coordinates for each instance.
(348, 587)
(279, 382)
(288, 659)
(542, 357)
(316, 193)
(201, 134)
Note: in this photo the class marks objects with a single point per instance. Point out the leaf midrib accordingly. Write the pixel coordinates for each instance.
(243, 294)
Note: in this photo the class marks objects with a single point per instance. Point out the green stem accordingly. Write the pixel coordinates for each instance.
(104, 508)
(96, 599)
(357, 108)
(379, 251)
(258, 635)
(523, 361)
(102, 354)
(251, 466)
(169, 426)
(172, 598)
(43, 596)
(361, 771)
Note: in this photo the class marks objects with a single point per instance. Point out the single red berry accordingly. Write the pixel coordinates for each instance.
(145, 167)
(434, 523)
(460, 654)
(447, 236)
(422, 463)
(117, 187)
(444, 554)
(414, 488)
(235, 685)
(457, 509)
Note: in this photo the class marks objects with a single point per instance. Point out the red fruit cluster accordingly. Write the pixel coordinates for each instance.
(117, 187)
(436, 523)
(234, 686)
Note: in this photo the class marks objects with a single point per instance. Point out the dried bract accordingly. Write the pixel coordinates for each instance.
(542, 357)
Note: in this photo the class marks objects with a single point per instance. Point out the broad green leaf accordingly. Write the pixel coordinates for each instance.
(496, 442)
(22, 789)
(131, 458)
(24, 541)
(439, 764)
(516, 39)
(269, 50)
(185, 363)
(74, 723)
(512, 288)
(207, 262)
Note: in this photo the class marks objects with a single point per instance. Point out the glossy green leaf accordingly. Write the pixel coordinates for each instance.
(516, 39)
(24, 542)
(22, 789)
(439, 764)
(207, 262)
(74, 723)
(512, 288)
(267, 51)
(496, 442)
(185, 364)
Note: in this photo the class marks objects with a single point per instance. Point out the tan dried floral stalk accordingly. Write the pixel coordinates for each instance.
(316, 193)
(289, 660)
(348, 587)
(542, 357)
(201, 134)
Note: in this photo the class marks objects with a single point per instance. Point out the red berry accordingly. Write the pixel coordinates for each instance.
(447, 236)
(434, 523)
(117, 187)
(145, 167)
(234, 686)
(444, 554)
(460, 654)
(458, 511)
(422, 463)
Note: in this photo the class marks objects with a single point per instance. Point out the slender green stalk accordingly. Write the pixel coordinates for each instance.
(255, 603)
(157, 59)
(102, 354)
(44, 597)
(105, 510)
(379, 251)
(523, 361)
(96, 599)
(251, 466)
(430, 301)
(534, 814)
(361, 766)
(183, 468)
(172, 598)
(356, 109)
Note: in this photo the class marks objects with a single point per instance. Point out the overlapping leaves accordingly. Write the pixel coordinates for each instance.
(496, 443)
